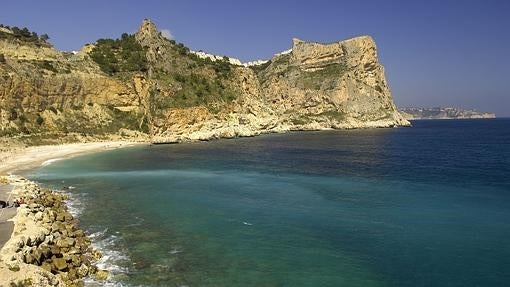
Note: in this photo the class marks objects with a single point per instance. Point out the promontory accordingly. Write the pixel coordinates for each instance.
(146, 87)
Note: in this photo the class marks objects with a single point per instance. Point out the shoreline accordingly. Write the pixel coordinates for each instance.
(33, 157)
(32, 235)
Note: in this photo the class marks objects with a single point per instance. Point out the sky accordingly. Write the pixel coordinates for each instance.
(435, 53)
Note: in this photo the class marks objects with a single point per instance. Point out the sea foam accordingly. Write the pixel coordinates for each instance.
(113, 259)
(50, 161)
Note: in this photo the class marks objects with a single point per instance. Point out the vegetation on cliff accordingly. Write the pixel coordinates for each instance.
(119, 55)
(23, 35)
(185, 80)
(193, 89)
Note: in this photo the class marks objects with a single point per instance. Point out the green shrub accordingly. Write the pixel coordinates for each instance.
(196, 90)
(120, 55)
(319, 79)
(24, 35)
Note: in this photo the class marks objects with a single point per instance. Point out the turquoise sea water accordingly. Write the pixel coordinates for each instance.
(421, 206)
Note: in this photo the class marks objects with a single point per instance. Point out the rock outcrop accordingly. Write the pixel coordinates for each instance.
(338, 85)
(180, 96)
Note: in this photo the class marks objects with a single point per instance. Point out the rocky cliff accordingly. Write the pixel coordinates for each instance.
(338, 85)
(149, 87)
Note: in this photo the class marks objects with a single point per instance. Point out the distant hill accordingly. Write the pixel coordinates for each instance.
(413, 113)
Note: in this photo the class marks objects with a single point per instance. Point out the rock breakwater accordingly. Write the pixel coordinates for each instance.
(47, 247)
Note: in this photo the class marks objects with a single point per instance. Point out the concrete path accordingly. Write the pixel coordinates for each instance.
(6, 227)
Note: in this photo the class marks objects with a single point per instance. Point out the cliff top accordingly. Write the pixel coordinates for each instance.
(149, 35)
(147, 30)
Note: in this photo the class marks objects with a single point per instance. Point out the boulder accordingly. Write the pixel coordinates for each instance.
(56, 251)
(79, 233)
(60, 216)
(46, 266)
(72, 274)
(96, 254)
(37, 255)
(57, 226)
(28, 258)
(59, 264)
(83, 270)
(45, 250)
(75, 260)
(68, 217)
(101, 275)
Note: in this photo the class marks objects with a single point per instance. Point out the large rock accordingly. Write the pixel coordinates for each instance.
(83, 270)
(101, 275)
(59, 264)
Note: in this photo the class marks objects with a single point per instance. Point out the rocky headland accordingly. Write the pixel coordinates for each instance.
(148, 88)
(443, 113)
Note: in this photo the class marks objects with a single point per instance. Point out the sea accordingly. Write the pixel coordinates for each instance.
(427, 205)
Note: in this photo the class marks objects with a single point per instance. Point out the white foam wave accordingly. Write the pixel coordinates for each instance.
(75, 203)
(98, 234)
(50, 161)
(93, 283)
(113, 260)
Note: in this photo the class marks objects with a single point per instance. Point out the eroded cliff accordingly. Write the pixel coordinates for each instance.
(151, 88)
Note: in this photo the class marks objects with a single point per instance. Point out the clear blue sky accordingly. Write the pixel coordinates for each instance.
(449, 53)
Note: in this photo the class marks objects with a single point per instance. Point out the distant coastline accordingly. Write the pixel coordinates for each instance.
(443, 113)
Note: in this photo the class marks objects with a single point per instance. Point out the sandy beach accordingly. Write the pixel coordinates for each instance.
(32, 157)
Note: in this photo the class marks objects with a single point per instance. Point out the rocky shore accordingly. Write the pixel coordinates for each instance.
(47, 247)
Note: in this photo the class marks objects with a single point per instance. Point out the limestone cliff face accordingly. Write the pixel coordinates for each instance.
(44, 91)
(315, 86)
(338, 85)
(37, 101)
(182, 97)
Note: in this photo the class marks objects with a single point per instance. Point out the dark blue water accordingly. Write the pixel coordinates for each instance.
(421, 206)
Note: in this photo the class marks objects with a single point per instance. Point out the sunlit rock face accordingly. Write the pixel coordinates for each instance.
(181, 96)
